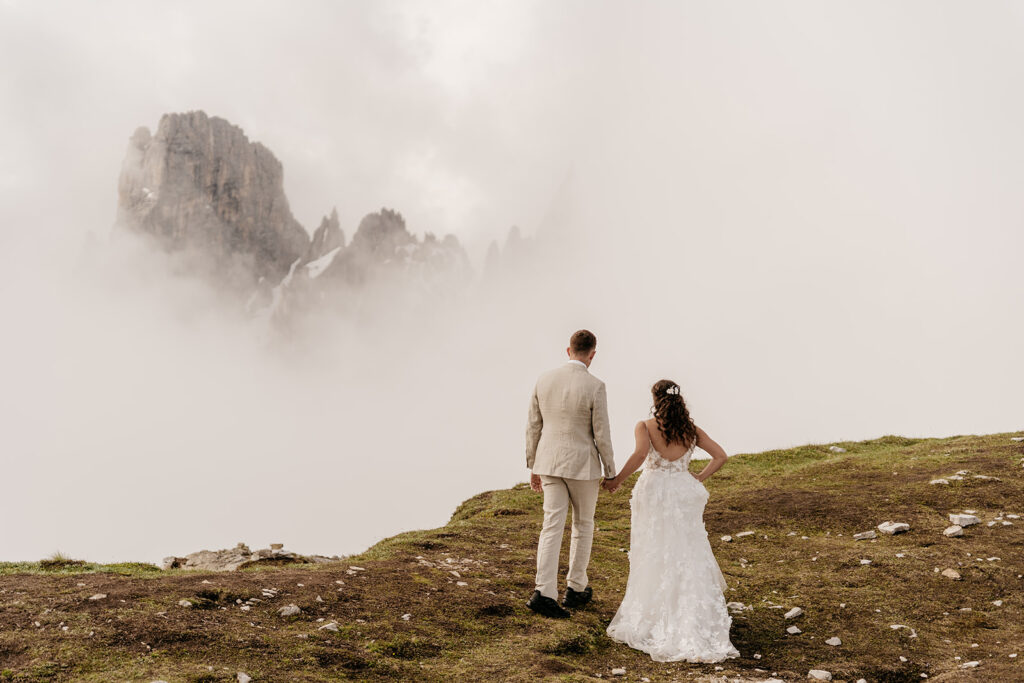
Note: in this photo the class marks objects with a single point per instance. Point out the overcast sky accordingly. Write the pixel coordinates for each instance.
(808, 213)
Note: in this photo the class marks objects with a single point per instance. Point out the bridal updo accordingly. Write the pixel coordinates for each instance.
(671, 413)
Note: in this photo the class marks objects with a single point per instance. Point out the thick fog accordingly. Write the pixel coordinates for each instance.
(807, 214)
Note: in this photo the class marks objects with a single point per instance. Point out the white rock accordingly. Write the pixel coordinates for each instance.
(735, 606)
(893, 528)
(963, 520)
(837, 449)
(951, 573)
(970, 665)
(185, 603)
(794, 613)
(289, 610)
(834, 642)
(98, 596)
(406, 617)
(727, 538)
(792, 630)
(997, 603)
(955, 477)
(865, 535)
(744, 533)
(357, 569)
(819, 675)
(939, 481)
(955, 530)
(865, 561)
(903, 659)
(964, 472)
(461, 583)
(243, 677)
(618, 672)
(329, 626)
(1017, 438)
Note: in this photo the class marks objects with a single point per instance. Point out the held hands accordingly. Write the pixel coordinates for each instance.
(535, 483)
(611, 485)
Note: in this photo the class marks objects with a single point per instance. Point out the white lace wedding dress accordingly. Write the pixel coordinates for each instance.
(674, 608)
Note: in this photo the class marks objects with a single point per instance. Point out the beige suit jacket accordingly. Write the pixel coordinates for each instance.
(568, 434)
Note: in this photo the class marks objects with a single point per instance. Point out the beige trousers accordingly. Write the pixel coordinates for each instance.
(558, 494)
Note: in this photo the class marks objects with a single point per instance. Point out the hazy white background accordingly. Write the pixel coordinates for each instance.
(806, 213)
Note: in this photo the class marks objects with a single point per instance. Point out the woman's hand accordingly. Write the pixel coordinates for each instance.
(611, 485)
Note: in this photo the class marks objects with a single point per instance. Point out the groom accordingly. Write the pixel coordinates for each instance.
(568, 446)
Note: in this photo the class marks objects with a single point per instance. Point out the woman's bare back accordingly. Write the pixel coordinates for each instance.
(668, 452)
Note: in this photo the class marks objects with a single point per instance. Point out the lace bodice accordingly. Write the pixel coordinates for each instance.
(654, 461)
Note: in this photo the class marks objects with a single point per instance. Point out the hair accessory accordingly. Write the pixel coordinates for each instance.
(674, 390)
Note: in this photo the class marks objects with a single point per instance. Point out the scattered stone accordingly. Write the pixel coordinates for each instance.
(893, 528)
(735, 606)
(618, 672)
(955, 477)
(240, 557)
(406, 617)
(357, 569)
(834, 642)
(461, 583)
(837, 449)
(289, 610)
(997, 603)
(819, 675)
(970, 665)
(901, 554)
(985, 476)
(329, 626)
(794, 613)
(744, 533)
(243, 677)
(963, 520)
(1018, 439)
(865, 561)
(952, 531)
(951, 573)
(939, 481)
(793, 630)
(865, 535)
(727, 538)
(98, 596)
(185, 603)
(903, 659)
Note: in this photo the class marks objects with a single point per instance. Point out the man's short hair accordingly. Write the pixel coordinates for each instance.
(582, 341)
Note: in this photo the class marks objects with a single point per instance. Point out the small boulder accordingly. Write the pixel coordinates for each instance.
(243, 677)
(727, 538)
(289, 610)
(794, 613)
(939, 481)
(834, 642)
(970, 665)
(793, 630)
(963, 519)
(952, 531)
(744, 533)
(893, 528)
(865, 535)
(329, 626)
(185, 603)
(98, 596)
(618, 672)
(951, 573)
(837, 449)
(819, 675)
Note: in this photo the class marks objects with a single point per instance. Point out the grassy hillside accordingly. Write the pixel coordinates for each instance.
(448, 604)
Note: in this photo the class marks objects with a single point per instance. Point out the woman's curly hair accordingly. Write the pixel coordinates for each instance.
(672, 415)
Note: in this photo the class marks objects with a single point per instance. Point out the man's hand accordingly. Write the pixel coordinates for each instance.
(535, 483)
(610, 485)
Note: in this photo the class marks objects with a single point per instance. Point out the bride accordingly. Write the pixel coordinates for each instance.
(673, 608)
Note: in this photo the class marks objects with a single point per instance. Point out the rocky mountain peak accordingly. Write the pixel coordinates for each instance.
(201, 187)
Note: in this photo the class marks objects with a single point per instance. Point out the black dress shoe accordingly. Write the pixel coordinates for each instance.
(547, 607)
(577, 598)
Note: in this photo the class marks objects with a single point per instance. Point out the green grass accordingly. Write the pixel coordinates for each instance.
(482, 631)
